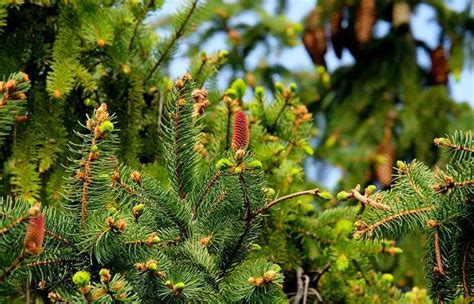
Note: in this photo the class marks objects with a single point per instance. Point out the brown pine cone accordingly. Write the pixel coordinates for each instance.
(385, 159)
(365, 20)
(314, 37)
(337, 37)
(439, 66)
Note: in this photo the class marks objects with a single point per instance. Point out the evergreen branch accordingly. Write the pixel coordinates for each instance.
(14, 265)
(227, 134)
(439, 269)
(229, 260)
(13, 224)
(467, 291)
(285, 198)
(205, 191)
(50, 262)
(287, 101)
(384, 221)
(442, 142)
(58, 238)
(366, 201)
(176, 36)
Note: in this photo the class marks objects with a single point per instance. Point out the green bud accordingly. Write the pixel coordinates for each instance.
(259, 92)
(106, 126)
(113, 209)
(88, 102)
(255, 164)
(139, 207)
(153, 266)
(297, 27)
(256, 247)
(398, 250)
(370, 189)
(401, 165)
(224, 163)
(343, 195)
(156, 239)
(223, 54)
(387, 277)
(325, 195)
(231, 93)
(276, 267)
(179, 286)
(293, 87)
(279, 87)
(95, 148)
(442, 141)
(104, 272)
(81, 278)
(270, 192)
(238, 170)
(240, 88)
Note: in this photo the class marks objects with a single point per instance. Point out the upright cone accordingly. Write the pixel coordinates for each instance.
(240, 136)
(439, 66)
(34, 236)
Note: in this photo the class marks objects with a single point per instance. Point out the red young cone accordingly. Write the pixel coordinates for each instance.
(35, 235)
(240, 137)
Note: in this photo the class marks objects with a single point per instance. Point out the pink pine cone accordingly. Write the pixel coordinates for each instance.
(240, 136)
(34, 236)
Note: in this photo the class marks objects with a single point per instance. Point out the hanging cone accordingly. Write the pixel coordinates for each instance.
(439, 66)
(386, 154)
(365, 20)
(400, 14)
(337, 35)
(314, 37)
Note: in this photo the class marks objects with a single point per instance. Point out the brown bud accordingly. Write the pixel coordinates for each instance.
(136, 177)
(98, 293)
(140, 266)
(205, 241)
(20, 96)
(24, 76)
(11, 85)
(433, 224)
(101, 42)
(259, 281)
(21, 118)
(116, 176)
(181, 101)
(57, 94)
(269, 276)
(251, 281)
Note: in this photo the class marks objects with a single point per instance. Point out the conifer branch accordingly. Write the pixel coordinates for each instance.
(13, 224)
(366, 201)
(205, 191)
(287, 101)
(50, 262)
(443, 142)
(58, 238)
(229, 259)
(388, 219)
(439, 268)
(14, 265)
(467, 290)
(287, 197)
(176, 36)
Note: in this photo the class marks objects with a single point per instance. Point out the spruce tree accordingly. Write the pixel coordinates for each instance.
(120, 235)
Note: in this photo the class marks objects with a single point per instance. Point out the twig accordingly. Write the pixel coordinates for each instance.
(176, 36)
(285, 198)
(13, 224)
(16, 263)
(467, 291)
(364, 200)
(439, 269)
(393, 217)
(206, 190)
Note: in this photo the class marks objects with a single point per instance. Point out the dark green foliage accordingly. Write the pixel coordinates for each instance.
(437, 203)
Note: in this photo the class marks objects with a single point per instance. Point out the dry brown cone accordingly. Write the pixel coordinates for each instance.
(385, 159)
(314, 37)
(337, 35)
(439, 66)
(365, 20)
